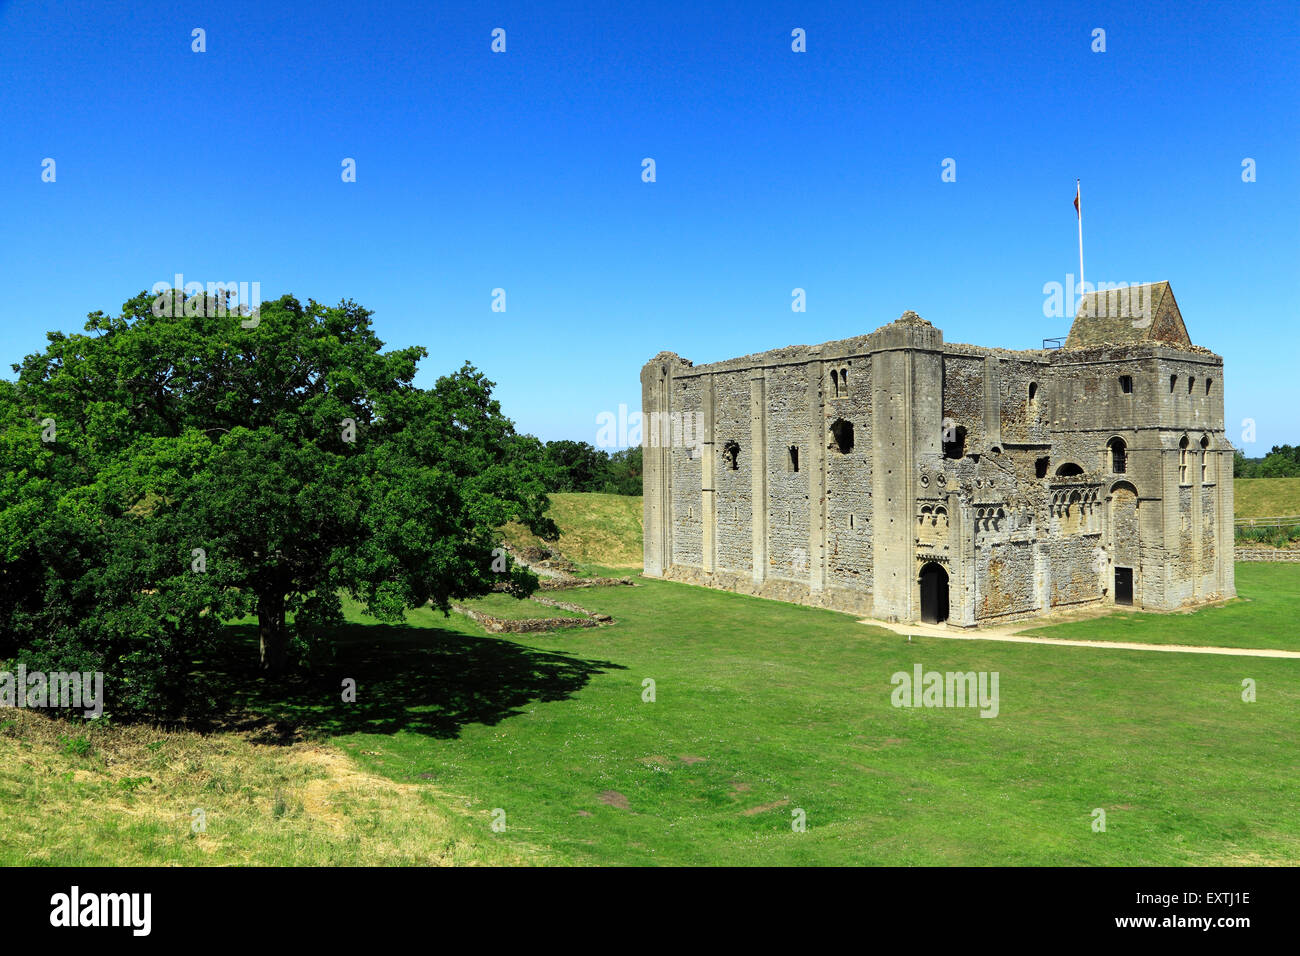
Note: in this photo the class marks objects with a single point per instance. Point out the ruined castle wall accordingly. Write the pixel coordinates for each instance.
(1150, 585)
(1023, 420)
(1181, 561)
(1075, 575)
(789, 425)
(963, 397)
(685, 455)
(1209, 541)
(1088, 394)
(1181, 397)
(853, 527)
(848, 480)
(734, 513)
(1005, 576)
(1125, 529)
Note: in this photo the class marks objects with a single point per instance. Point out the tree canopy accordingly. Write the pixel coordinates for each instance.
(173, 468)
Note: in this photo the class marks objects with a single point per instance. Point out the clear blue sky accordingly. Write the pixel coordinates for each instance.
(775, 170)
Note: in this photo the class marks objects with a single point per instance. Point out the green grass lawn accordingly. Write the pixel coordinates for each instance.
(763, 708)
(1264, 615)
(1265, 497)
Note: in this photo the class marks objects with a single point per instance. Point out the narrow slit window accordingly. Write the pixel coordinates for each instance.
(794, 458)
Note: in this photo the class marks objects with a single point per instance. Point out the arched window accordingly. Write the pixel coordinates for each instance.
(1069, 470)
(844, 380)
(1118, 456)
(1191, 383)
(1173, 381)
(1033, 391)
(1208, 383)
(1182, 461)
(1205, 444)
(731, 454)
(842, 432)
(835, 383)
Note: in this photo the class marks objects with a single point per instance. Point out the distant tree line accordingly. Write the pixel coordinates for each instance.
(577, 466)
(1283, 461)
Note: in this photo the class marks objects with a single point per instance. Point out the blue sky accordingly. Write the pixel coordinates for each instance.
(775, 170)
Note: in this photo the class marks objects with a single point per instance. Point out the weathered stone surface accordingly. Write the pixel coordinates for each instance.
(833, 474)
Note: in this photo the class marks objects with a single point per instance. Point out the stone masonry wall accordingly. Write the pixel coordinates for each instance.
(848, 480)
(1035, 510)
(735, 516)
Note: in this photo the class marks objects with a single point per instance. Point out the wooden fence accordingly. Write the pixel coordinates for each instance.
(1277, 521)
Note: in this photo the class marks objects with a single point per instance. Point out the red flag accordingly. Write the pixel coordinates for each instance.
(1077, 211)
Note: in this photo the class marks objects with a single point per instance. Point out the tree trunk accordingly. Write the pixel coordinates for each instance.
(273, 633)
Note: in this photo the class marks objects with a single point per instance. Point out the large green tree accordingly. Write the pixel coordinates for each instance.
(204, 463)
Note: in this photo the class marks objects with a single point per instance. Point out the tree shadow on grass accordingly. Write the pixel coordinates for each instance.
(419, 679)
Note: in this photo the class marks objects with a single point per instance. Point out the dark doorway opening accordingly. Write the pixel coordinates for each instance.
(934, 594)
(1124, 586)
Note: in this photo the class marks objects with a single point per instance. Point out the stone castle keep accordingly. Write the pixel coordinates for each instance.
(898, 476)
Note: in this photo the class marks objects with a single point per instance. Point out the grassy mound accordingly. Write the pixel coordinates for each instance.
(1266, 497)
(595, 529)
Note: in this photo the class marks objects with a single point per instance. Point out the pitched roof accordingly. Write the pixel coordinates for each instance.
(1139, 313)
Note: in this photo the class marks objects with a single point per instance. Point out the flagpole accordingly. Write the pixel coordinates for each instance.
(1078, 194)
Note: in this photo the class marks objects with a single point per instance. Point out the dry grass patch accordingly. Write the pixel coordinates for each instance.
(98, 794)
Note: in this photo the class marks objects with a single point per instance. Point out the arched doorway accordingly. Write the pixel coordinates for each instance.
(934, 594)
